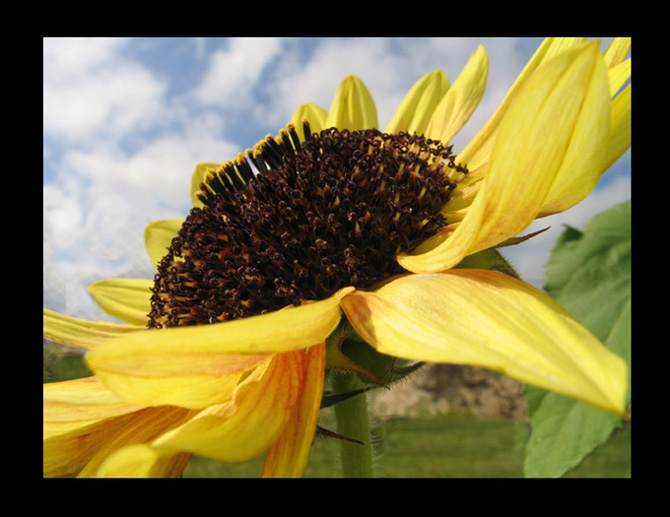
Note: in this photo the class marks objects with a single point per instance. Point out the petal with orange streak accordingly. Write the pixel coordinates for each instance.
(252, 421)
(145, 426)
(288, 456)
(78, 416)
(144, 461)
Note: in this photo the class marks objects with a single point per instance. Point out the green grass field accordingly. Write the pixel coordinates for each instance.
(441, 446)
(447, 446)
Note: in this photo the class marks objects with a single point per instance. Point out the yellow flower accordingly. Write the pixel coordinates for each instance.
(253, 287)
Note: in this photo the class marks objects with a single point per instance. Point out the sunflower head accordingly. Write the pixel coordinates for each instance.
(313, 217)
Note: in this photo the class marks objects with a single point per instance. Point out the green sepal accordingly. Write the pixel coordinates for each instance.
(493, 260)
(330, 399)
(346, 351)
(322, 431)
(490, 259)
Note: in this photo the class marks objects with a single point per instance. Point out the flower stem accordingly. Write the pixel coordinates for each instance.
(352, 422)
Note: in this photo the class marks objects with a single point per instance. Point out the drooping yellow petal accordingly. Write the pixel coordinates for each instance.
(288, 456)
(419, 104)
(128, 299)
(558, 109)
(183, 378)
(461, 100)
(144, 461)
(252, 421)
(199, 366)
(158, 238)
(353, 107)
(291, 328)
(484, 318)
(81, 400)
(143, 428)
(67, 448)
(78, 416)
(197, 179)
(314, 114)
(81, 333)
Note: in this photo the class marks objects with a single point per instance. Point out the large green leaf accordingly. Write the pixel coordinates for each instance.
(589, 273)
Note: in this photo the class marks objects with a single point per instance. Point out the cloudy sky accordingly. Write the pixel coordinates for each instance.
(126, 121)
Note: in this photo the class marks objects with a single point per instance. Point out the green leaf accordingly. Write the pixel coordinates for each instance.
(588, 273)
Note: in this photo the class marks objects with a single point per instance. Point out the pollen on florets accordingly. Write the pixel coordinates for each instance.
(315, 216)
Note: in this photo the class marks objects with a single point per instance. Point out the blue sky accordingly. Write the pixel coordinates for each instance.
(126, 121)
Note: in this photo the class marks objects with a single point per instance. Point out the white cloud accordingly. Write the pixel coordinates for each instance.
(159, 171)
(235, 71)
(111, 175)
(91, 92)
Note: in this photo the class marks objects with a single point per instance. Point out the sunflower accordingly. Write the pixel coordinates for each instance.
(335, 239)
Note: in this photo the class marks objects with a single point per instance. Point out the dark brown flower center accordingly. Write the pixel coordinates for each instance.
(330, 212)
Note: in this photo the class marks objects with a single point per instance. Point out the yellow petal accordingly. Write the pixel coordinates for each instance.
(197, 178)
(252, 421)
(448, 247)
(68, 448)
(78, 416)
(288, 456)
(158, 238)
(353, 107)
(186, 379)
(314, 114)
(419, 104)
(618, 75)
(128, 299)
(620, 127)
(81, 400)
(291, 328)
(461, 99)
(548, 120)
(488, 319)
(143, 428)
(617, 51)
(81, 333)
(199, 366)
(144, 461)
(585, 159)
(478, 151)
